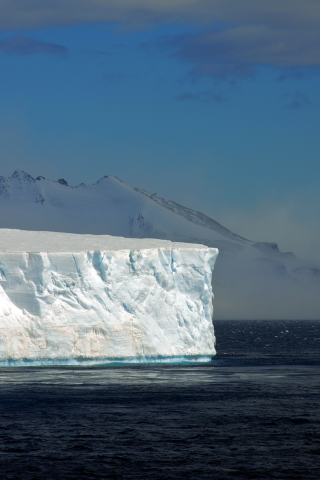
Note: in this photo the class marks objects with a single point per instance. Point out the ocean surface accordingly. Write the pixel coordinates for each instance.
(252, 413)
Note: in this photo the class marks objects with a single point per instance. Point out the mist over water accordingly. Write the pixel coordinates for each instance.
(253, 412)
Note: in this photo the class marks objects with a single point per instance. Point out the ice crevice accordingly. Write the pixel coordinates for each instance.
(128, 301)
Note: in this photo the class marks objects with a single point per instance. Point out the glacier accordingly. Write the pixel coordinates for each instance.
(96, 299)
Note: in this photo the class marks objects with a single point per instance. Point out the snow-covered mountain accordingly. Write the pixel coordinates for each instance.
(251, 280)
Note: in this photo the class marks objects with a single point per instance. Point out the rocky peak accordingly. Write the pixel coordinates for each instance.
(62, 181)
(23, 177)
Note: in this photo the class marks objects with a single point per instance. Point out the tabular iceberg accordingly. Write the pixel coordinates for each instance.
(93, 299)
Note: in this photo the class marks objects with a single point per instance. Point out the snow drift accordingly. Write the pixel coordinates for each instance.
(95, 299)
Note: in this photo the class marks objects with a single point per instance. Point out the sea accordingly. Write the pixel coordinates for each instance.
(253, 412)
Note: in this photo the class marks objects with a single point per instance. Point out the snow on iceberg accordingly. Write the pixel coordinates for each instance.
(93, 299)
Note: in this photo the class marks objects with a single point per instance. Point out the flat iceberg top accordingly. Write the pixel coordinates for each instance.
(32, 241)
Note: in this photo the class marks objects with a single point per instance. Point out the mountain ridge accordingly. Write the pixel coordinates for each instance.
(191, 215)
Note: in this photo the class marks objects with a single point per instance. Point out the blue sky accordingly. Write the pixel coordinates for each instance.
(212, 104)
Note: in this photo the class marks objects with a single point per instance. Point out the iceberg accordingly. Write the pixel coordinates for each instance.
(97, 299)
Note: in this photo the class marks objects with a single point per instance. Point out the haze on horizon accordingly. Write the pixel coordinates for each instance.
(214, 104)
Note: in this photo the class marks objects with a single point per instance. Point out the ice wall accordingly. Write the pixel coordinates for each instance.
(127, 301)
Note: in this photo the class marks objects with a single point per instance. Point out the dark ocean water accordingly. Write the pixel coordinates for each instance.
(252, 413)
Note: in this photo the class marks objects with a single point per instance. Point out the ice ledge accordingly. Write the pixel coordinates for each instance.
(86, 299)
(105, 361)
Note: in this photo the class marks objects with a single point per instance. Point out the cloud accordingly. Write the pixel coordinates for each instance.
(297, 74)
(22, 45)
(297, 101)
(203, 97)
(19, 14)
(238, 51)
(284, 34)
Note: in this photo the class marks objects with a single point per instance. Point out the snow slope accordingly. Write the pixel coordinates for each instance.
(251, 280)
(86, 299)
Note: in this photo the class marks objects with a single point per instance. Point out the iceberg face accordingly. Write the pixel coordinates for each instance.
(67, 298)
